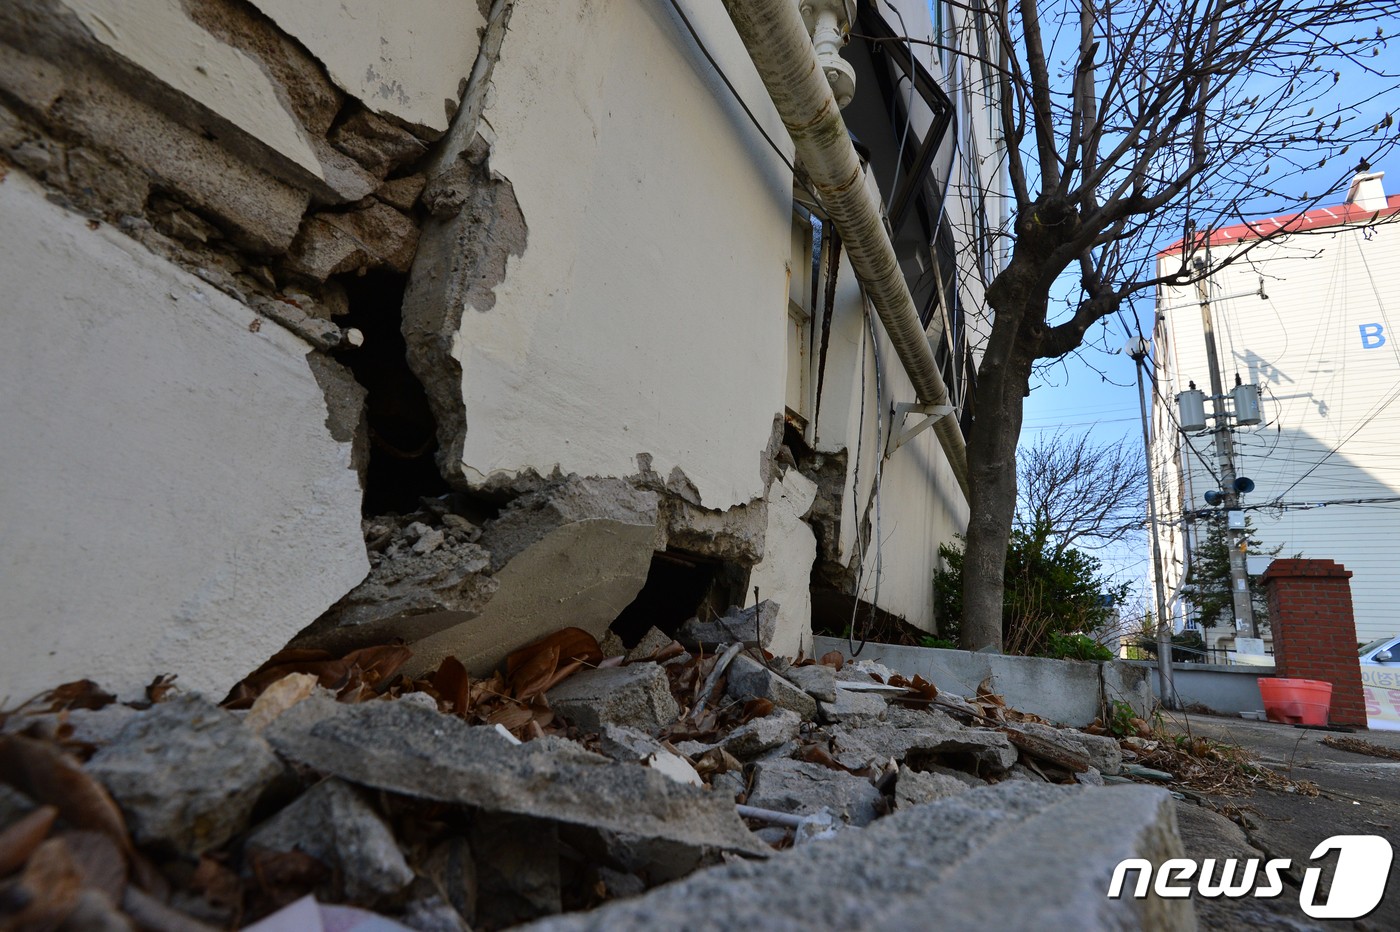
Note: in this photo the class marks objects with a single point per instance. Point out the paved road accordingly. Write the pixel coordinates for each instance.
(1360, 795)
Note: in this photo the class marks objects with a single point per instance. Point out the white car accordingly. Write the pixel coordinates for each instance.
(1380, 682)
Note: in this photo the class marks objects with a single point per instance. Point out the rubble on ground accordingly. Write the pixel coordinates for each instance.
(565, 781)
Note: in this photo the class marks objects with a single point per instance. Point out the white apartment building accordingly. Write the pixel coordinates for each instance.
(276, 267)
(1305, 316)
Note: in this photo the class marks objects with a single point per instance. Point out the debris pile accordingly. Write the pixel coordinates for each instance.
(566, 779)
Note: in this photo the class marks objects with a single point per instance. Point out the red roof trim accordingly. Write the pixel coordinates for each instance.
(1316, 219)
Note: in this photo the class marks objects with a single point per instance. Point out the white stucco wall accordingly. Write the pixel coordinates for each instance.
(403, 59)
(172, 501)
(647, 312)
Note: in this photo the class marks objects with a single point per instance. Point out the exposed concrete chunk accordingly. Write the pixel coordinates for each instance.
(750, 679)
(517, 869)
(990, 859)
(333, 823)
(377, 236)
(408, 595)
(401, 193)
(477, 226)
(573, 553)
(796, 786)
(754, 625)
(186, 774)
(532, 517)
(913, 787)
(735, 535)
(785, 572)
(408, 749)
(816, 680)
(941, 740)
(378, 145)
(763, 734)
(854, 708)
(1102, 751)
(654, 640)
(345, 407)
(622, 743)
(637, 695)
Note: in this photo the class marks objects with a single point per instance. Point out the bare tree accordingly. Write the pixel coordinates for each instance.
(1127, 125)
(1080, 493)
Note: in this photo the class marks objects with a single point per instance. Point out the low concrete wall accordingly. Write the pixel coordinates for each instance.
(1064, 691)
(1227, 690)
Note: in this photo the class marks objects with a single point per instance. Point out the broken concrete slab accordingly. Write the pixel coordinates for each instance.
(786, 785)
(333, 823)
(1102, 751)
(735, 535)
(407, 595)
(785, 572)
(637, 695)
(623, 743)
(373, 237)
(815, 679)
(939, 740)
(763, 734)
(915, 787)
(992, 858)
(415, 751)
(853, 708)
(378, 145)
(749, 679)
(186, 774)
(517, 869)
(754, 625)
(575, 554)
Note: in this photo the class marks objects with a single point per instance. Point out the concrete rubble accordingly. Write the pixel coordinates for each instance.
(625, 809)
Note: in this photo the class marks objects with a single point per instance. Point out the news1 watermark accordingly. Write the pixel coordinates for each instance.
(1358, 884)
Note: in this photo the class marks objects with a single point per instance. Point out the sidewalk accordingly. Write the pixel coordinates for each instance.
(1358, 795)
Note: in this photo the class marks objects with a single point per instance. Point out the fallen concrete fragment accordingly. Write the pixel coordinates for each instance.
(853, 707)
(517, 869)
(938, 740)
(754, 625)
(914, 787)
(749, 679)
(993, 858)
(796, 786)
(762, 734)
(1102, 751)
(637, 695)
(416, 751)
(816, 680)
(333, 824)
(186, 774)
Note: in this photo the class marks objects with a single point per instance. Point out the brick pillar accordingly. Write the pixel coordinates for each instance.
(1314, 631)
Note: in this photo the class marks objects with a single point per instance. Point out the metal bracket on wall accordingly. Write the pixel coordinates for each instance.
(900, 410)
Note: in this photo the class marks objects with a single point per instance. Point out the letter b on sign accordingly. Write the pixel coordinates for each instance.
(1372, 336)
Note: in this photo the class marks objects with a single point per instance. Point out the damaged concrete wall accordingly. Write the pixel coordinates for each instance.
(173, 500)
(190, 199)
(644, 314)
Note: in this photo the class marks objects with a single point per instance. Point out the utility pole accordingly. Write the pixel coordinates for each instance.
(1225, 456)
(1137, 350)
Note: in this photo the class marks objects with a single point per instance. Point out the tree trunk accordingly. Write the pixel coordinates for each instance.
(1002, 382)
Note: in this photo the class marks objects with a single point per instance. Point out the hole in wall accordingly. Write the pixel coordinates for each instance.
(835, 613)
(679, 586)
(402, 430)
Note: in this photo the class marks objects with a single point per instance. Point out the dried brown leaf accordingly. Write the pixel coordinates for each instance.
(100, 861)
(161, 687)
(532, 676)
(453, 684)
(278, 698)
(832, 658)
(18, 841)
(513, 717)
(378, 664)
(48, 775)
(567, 644)
(49, 887)
(562, 674)
(80, 694)
(756, 708)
